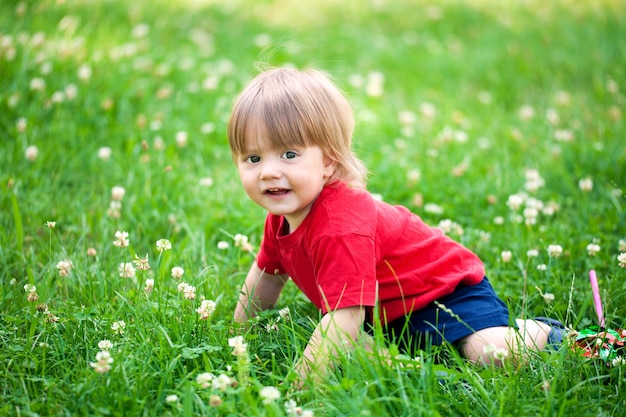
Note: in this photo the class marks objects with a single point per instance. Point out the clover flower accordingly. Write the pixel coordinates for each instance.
(172, 398)
(207, 307)
(104, 153)
(118, 193)
(204, 379)
(126, 270)
(542, 267)
(105, 344)
(515, 201)
(448, 227)
(585, 184)
(51, 224)
(142, 264)
(31, 291)
(241, 241)
(149, 285)
(548, 297)
(163, 245)
(240, 348)
(554, 251)
(118, 327)
(177, 272)
(621, 258)
(534, 181)
(283, 313)
(269, 394)
(189, 291)
(222, 382)
(103, 362)
(64, 267)
(121, 239)
(506, 256)
(593, 249)
(621, 245)
(222, 245)
(294, 410)
(182, 139)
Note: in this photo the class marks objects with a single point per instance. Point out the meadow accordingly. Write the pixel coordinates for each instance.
(125, 234)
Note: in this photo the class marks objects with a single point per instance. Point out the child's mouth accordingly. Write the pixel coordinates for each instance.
(276, 191)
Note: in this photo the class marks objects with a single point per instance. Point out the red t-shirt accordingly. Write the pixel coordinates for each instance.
(354, 250)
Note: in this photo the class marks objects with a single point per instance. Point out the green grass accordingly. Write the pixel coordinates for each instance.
(476, 63)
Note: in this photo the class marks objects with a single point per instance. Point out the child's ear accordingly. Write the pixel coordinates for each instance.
(329, 167)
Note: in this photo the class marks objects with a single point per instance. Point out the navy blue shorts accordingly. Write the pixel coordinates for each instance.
(474, 307)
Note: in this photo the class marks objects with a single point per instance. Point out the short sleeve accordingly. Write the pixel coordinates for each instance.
(268, 258)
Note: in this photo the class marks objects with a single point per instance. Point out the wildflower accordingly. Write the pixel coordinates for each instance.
(126, 270)
(554, 251)
(269, 394)
(204, 379)
(207, 307)
(542, 267)
(189, 291)
(221, 382)
(172, 398)
(593, 249)
(222, 245)
(37, 84)
(114, 210)
(51, 224)
(182, 139)
(149, 285)
(585, 184)
(548, 297)
(30, 288)
(499, 220)
(621, 245)
(105, 344)
(526, 112)
(103, 362)
(215, 400)
(374, 86)
(104, 153)
(515, 201)
(433, 208)
(545, 386)
(142, 264)
(292, 408)
(618, 361)
(240, 240)
(177, 272)
(163, 245)
(506, 256)
(84, 72)
(206, 182)
(91, 252)
(239, 347)
(121, 239)
(532, 253)
(284, 313)
(31, 153)
(448, 227)
(621, 258)
(534, 181)
(118, 193)
(64, 267)
(564, 135)
(501, 354)
(118, 327)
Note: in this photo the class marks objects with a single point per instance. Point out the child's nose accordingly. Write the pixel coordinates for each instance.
(269, 170)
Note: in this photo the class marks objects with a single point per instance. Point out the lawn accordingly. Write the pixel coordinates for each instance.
(125, 233)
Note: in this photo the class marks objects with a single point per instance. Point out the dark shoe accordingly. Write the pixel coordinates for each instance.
(557, 333)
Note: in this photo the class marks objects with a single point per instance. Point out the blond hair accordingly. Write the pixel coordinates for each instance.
(298, 108)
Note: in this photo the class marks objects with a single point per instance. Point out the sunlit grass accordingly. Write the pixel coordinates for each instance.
(501, 123)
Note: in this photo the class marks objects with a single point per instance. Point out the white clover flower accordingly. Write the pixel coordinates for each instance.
(163, 245)
(182, 139)
(118, 327)
(526, 112)
(121, 239)
(501, 354)
(284, 313)
(532, 253)
(64, 267)
(449, 227)
(506, 256)
(515, 201)
(222, 245)
(618, 361)
(105, 345)
(177, 272)
(222, 382)
(126, 270)
(593, 249)
(31, 152)
(433, 208)
(585, 184)
(117, 193)
(103, 362)
(554, 251)
(142, 264)
(50, 224)
(149, 285)
(84, 72)
(621, 245)
(172, 398)
(621, 258)
(238, 345)
(207, 307)
(548, 297)
(542, 267)
(204, 379)
(269, 394)
(30, 288)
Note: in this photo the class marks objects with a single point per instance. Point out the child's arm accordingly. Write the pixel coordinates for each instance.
(337, 330)
(259, 292)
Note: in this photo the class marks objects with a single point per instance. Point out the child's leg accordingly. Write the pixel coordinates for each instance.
(493, 344)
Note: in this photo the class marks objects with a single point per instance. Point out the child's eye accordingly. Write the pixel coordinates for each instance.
(289, 155)
(253, 159)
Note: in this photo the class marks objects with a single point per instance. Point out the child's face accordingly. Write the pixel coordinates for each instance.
(283, 181)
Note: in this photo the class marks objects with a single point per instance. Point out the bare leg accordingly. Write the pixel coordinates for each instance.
(493, 344)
